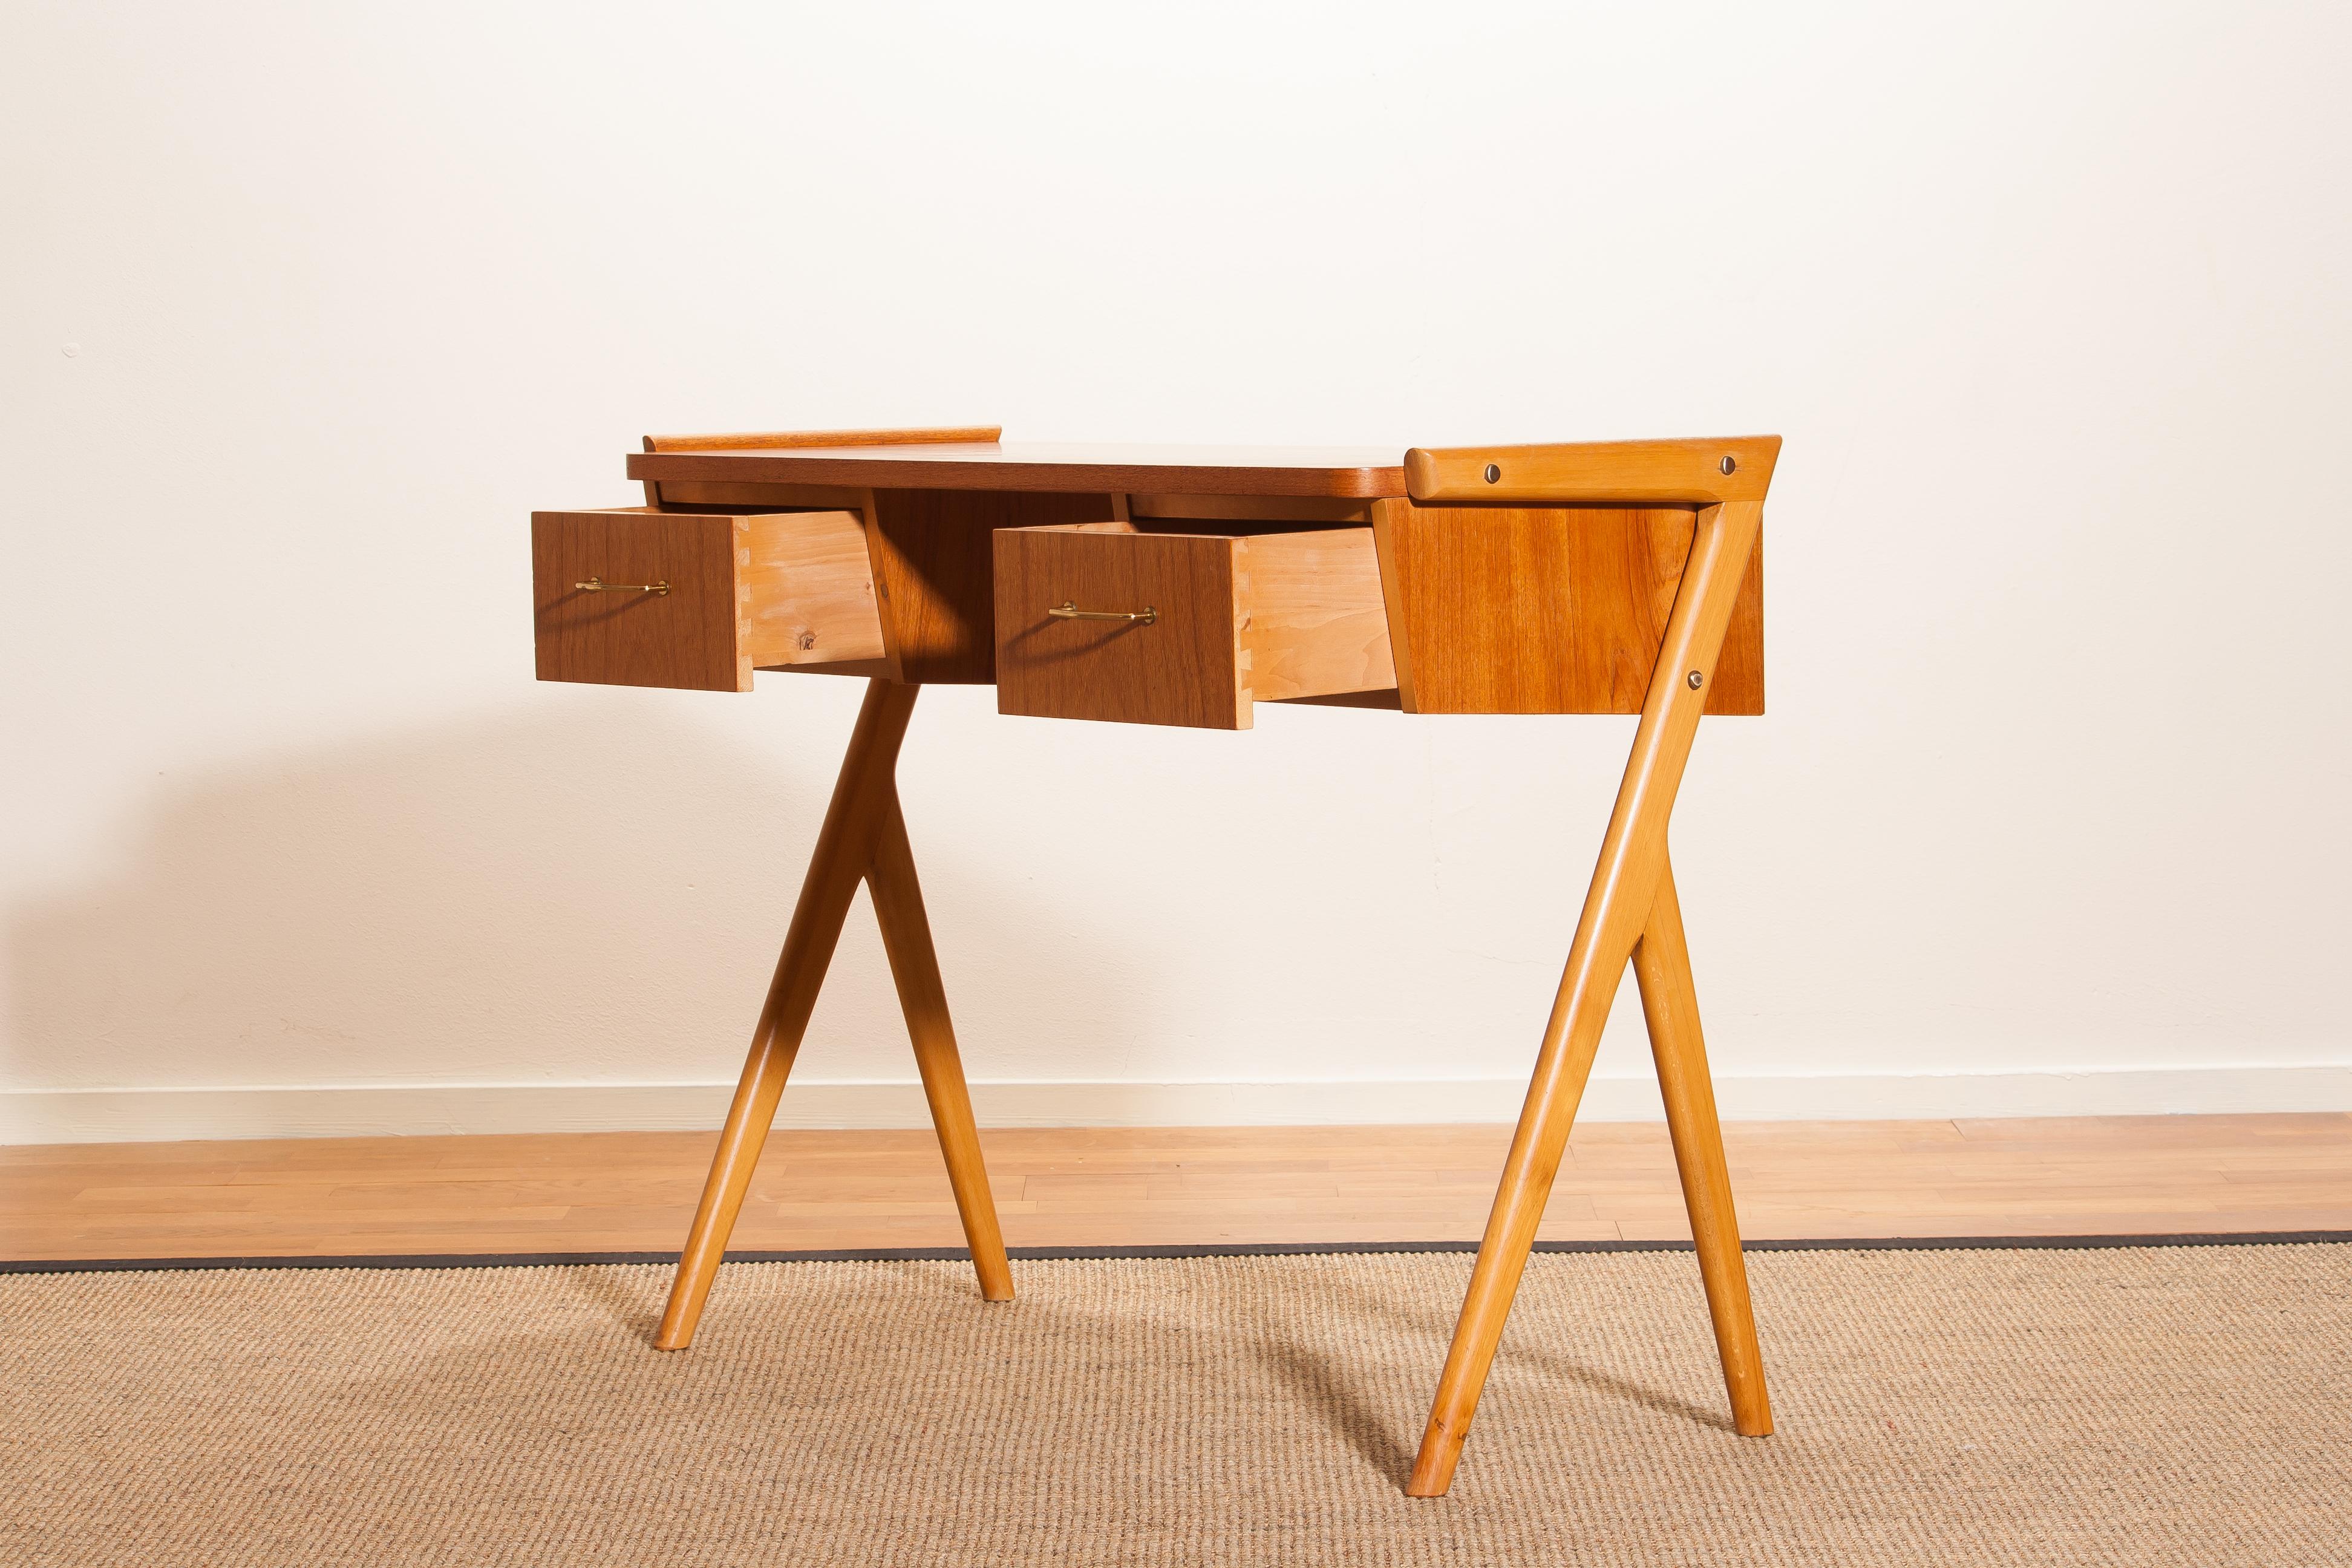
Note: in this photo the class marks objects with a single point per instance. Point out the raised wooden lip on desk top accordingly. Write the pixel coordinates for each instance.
(1349, 473)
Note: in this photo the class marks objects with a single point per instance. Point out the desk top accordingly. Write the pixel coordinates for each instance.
(1352, 473)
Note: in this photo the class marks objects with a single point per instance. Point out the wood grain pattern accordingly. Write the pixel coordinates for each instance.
(1250, 508)
(862, 797)
(1689, 473)
(934, 569)
(685, 638)
(1182, 669)
(660, 495)
(1547, 610)
(721, 497)
(1346, 472)
(764, 590)
(1617, 906)
(1736, 688)
(1102, 1186)
(1239, 617)
(1670, 1007)
(898, 896)
(1312, 623)
(804, 590)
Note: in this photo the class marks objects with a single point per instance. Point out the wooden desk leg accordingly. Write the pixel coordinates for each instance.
(1616, 907)
(863, 799)
(1670, 1006)
(915, 966)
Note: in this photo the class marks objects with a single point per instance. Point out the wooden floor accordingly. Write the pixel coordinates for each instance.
(630, 1192)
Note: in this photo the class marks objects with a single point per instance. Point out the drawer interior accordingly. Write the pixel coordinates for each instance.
(804, 590)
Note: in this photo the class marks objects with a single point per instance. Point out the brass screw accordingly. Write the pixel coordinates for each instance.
(1494, 472)
(1696, 680)
(1727, 465)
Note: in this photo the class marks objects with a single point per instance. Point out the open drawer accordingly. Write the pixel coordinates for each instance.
(631, 596)
(1099, 621)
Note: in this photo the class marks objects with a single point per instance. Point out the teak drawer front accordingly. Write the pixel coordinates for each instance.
(1233, 621)
(745, 591)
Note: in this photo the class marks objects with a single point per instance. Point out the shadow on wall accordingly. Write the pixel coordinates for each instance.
(552, 898)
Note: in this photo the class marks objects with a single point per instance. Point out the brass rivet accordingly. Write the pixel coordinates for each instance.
(1696, 680)
(1494, 472)
(1727, 465)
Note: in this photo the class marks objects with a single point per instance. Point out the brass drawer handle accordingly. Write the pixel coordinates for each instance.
(1067, 610)
(598, 585)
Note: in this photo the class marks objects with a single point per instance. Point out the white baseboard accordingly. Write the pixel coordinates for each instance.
(133, 1115)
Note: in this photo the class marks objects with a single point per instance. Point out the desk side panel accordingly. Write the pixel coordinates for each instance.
(1515, 610)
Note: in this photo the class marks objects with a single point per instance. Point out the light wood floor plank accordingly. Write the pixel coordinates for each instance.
(1106, 1187)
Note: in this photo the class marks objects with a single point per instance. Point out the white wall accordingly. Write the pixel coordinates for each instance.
(308, 306)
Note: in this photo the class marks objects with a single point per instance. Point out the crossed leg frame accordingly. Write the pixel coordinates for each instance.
(1630, 916)
(863, 839)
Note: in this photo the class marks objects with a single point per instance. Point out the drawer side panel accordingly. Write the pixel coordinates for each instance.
(1313, 623)
(804, 590)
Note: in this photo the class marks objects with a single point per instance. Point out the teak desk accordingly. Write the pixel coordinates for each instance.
(1173, 585)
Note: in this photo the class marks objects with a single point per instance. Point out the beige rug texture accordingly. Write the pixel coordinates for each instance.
(2148, 1405)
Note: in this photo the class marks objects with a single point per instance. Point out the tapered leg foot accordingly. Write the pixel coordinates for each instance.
(1434, 1465)
(1527, 1171)
(844, 846)
(1670, 1006)
(915, 966)
(1617, 906)
(740, 1142)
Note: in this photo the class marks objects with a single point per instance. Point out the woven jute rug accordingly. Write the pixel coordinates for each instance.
(2130, 1406)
